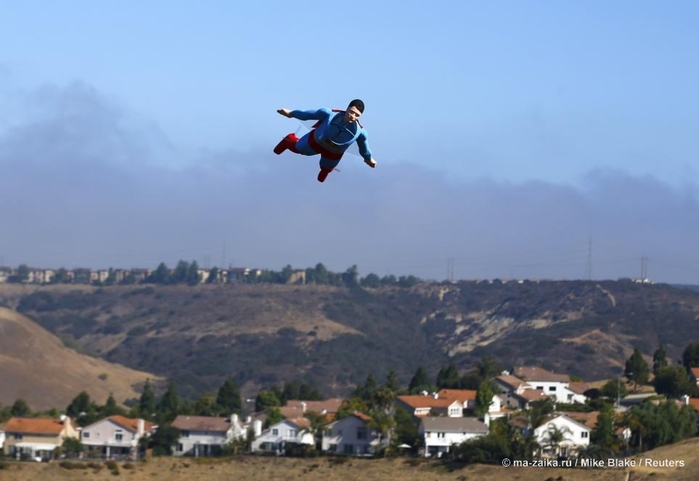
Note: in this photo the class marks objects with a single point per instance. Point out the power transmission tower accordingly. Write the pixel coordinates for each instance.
(589, 259)
(644, 268)
(450, 269)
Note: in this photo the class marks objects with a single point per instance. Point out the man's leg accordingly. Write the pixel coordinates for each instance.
(326, 166)
(288, 142)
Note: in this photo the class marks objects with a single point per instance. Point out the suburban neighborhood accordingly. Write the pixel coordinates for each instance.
(445, 419)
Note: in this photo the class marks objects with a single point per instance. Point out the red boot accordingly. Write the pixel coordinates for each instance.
(288, 142)
(323, 174)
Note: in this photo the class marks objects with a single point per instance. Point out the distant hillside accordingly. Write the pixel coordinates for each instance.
(334, 336)
(37, 367)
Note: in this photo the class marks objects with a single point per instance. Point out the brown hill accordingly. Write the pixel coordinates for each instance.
(37, 367)
(334, 336)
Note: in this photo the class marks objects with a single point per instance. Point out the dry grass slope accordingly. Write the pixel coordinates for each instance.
(37, 367)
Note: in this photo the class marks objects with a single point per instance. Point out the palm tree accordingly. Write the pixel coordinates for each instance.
(316, 426)
(555, 436)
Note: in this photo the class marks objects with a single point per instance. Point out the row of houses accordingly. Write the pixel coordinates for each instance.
(445, 418)
(121, 276)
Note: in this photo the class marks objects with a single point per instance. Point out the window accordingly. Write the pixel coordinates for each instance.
(540, 387)
(293, 433)
(185, 434)
(275, 432)
(86, 435)
(441, 435)
(584, 434)
(18, 436)
(180, 448)
(361, 433)
(552, 388)
(118, 436)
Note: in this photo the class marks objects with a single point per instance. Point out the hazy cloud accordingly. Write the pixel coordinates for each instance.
(86, 182)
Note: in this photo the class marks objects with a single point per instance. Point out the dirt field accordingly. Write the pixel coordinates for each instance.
(320, 469)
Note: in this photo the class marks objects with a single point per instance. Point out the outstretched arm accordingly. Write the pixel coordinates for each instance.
(319, 114)
(364, 150)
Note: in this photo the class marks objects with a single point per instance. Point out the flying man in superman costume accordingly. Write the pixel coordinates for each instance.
(334, 132)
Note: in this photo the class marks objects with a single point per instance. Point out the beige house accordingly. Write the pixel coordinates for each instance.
(37, 438)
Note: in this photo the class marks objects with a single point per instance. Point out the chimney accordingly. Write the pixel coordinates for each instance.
(234, 420)
(257, 428)
(435, 395)
(685, 399)
(140, 428)
(303, 406)
(63, 418)
(248, 420)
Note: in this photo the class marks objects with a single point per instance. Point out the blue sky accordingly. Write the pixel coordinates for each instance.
(485, 101)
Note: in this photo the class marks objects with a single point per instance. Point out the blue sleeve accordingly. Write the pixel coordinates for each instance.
(320, 114)
(363, 144)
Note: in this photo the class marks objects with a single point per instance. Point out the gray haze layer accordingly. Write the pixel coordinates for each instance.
(86, 183)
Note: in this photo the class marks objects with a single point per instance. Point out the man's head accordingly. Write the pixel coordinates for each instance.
(355, 109)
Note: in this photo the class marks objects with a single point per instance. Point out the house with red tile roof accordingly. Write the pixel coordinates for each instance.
(421, 405)
(37, 438)
(115, 437)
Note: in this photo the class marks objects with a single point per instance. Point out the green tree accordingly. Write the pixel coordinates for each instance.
(371, 280)
(22, 273)
(556, 435)
(672, 381)
(350, 406)
(61, 276)
(420, 381)
(484, 397)
(179, 275)
(169, 405)
(690, 356)
(488, 368)
(265, 400)
(146, 403)
(368, 390)
(72, 447)
(111, 408)
(636, 369)
(448, 377)
(213, 275)
(20, 409)
(604, 432)
(321, 274)
(161, 275)
(659, 359)
(274, 416)
(351, 277)
(193, 278)
(163, 439)
(614, 389)
(392, 383)
(228, 398)
(206, 405)
(82, 409)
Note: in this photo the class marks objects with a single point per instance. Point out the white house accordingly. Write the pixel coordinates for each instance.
(288, 431)
(2, 437)
(351, 435)
(115, 436)
(440, 433)
(555, 385)
(206, 435)
(573, 436)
